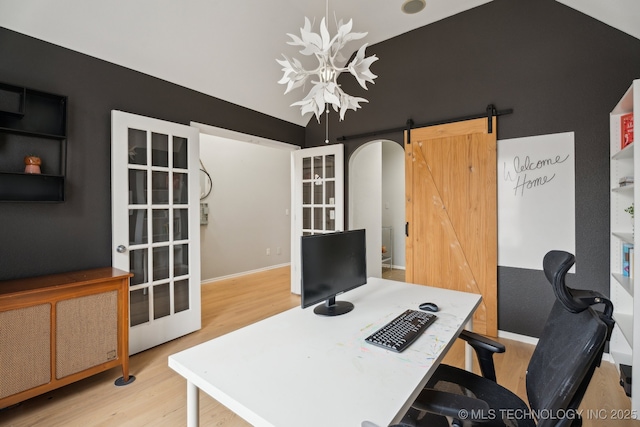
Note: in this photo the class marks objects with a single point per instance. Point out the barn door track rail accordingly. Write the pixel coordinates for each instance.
(489, 113)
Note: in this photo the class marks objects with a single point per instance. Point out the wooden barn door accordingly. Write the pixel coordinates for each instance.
(451, 211)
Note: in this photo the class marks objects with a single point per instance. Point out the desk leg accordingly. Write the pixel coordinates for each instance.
(468, 351)
(193, 405)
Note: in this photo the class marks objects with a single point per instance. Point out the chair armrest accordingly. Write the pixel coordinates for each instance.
(485, 349)
(477, 340)
(452, 405)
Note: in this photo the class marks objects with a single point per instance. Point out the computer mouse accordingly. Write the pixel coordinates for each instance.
(428, 306)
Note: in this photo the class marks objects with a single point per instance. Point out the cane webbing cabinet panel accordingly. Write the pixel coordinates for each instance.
(28, 338)
(61, 328)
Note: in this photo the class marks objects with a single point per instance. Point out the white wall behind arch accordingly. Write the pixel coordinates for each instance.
(393, 198)
(376, 198)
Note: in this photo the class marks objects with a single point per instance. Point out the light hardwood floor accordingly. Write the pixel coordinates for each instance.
(158, 396)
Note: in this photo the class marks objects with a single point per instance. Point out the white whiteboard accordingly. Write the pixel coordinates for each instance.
(536, 198)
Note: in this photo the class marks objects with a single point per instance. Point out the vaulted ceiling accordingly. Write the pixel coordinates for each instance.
(228, 49)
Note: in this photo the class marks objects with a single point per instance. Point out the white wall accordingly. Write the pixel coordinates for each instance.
(393, 194)
(248, 207)
(365, 198)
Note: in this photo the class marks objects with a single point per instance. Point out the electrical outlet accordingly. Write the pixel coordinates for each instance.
(268, 251)
(279, 251)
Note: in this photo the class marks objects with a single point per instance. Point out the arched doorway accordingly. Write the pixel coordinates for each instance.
(376, 200)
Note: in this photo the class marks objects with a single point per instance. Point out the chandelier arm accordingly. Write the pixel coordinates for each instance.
(332, 60)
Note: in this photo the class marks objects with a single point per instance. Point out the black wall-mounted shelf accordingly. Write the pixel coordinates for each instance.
(34, 123)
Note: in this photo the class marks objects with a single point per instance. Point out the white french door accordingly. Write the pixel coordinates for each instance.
(317, 198)
(156, 236)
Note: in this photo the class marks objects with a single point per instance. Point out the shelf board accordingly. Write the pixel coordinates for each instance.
(31, 133)
(625, 153)
(624, 281)
(623, 188)
(621, 358)
(625, 237)
(34, 175)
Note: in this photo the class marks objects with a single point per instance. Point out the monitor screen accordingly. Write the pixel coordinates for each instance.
(332, 264)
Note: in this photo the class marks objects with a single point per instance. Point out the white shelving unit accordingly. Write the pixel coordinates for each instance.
(625, 341)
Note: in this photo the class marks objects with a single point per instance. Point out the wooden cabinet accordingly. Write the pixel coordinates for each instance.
(625, 340)
(32, 123)
(61, 328)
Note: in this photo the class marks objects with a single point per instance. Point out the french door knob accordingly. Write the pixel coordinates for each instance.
(121, 249)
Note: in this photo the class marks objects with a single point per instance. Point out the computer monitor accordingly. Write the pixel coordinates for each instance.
(332, 264)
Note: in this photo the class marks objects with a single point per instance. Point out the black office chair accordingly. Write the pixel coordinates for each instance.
(560, 369)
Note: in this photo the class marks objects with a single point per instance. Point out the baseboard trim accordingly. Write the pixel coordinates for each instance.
(244, 273)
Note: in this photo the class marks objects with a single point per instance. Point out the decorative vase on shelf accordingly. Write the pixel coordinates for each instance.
(32, 164)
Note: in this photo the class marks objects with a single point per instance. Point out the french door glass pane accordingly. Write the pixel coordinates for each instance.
(137, 187)
(306, 193)
(330, 220)
(330, 166)
(138, 259)
(317, 219)
(161, 301)
(318, 173)
(160, 225)
(317, 192)
(180, 188)
(161, 263)
(179, 152)
(159, 149)
(180, 224)
(181, 295)
(180, 260)
(330, 192)
(137, 226)
(160, 188)
(137, 147)
(306, 168)
(139, 306)
(306, 218)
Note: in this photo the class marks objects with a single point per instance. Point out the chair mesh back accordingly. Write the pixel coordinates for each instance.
(561, 366)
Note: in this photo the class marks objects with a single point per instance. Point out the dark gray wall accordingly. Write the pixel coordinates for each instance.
(560, 71)
(42, 238)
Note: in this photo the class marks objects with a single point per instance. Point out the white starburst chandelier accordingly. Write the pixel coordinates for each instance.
(325, 89)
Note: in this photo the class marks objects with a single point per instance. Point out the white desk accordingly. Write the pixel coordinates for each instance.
(300, 369)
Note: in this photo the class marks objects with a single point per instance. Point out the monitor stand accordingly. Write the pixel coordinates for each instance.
(333, 308)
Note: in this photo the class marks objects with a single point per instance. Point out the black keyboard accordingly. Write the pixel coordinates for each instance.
(399, 333)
